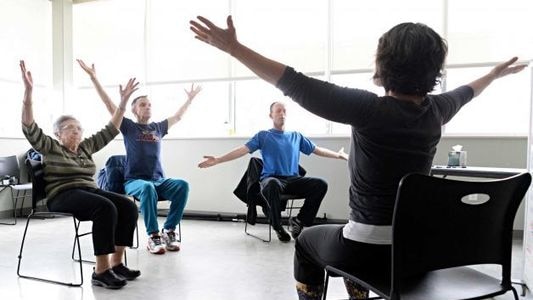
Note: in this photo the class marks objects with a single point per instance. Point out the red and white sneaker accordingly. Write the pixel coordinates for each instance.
(170, 240)
(155, 245)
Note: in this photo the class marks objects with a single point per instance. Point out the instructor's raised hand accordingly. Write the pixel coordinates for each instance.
(206, 31)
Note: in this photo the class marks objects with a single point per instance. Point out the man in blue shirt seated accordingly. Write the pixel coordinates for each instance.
(280, 150)
(143, 173)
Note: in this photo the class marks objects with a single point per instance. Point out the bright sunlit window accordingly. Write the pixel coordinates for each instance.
(26, 34)
(333, 40)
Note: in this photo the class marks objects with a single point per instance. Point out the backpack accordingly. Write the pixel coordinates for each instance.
(111, 176)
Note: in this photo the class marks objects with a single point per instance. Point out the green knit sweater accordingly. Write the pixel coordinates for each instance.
(64, 169)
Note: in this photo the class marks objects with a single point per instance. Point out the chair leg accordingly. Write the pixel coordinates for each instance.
(515, 293)
(125, 258)
(19, 273)
(255, 236)
(136, 244)
(326, 282)
(179, 231)
(77, 242)
(290, 214)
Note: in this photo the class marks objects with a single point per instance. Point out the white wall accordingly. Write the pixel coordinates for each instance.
(211, 189)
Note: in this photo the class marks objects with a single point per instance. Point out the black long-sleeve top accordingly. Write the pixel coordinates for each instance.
(389, 139)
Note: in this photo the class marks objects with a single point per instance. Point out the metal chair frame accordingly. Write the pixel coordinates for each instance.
(289, 198)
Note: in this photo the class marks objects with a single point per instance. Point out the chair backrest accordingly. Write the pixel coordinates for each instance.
(440, 223)
(111, 176)
(9, 166)
(36, 173)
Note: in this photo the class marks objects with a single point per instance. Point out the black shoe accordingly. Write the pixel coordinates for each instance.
(108, 279)
(125, 272)
(282, 235)
(296, 227)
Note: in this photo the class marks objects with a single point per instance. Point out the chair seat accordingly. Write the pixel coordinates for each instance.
(453, 283)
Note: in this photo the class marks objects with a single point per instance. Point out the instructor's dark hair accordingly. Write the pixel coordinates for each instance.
(409, 59)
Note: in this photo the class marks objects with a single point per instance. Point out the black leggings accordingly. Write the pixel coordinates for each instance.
(114, 216)
(319, 246)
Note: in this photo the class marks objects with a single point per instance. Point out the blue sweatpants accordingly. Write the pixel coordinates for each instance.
(149, 192)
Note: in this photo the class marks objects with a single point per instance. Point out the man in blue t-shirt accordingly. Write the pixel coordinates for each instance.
(280, 150)
(144, 177)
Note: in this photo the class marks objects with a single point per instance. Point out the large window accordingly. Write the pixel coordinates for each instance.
(357, 26)
(333, 40)
(488, 31)
(502, 109)
(26, 34)
(252, 108)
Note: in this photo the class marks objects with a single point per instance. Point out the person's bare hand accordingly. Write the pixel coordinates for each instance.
(26, 76)
(206, 31)
(342, 155)
(126, 92)
(209, 161)
(507, 68)
(91, 71)
(193, 91)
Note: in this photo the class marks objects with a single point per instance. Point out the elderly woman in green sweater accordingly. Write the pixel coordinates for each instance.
(70, 188)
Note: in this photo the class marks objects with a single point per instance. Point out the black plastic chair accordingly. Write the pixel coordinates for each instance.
(440, 228)
(36, 172)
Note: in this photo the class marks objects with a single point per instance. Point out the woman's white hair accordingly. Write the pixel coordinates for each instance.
(61, 120)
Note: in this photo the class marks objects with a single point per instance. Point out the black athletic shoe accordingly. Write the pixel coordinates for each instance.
(282, 235)
(108, 279)
(125, 272)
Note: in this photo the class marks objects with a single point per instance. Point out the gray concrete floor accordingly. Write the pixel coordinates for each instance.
(217, 261)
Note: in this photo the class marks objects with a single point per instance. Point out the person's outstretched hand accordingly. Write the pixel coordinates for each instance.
(193, 91)
(342, 155)
(26, 76)
(507, 68)
(208, 162)
(91, 71)
(223, 39)
(130, 87)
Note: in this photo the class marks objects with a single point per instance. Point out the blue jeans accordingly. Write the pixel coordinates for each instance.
(149, 192)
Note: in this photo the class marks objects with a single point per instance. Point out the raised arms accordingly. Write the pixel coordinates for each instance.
(91, 71)
(191, 93)
(125, 94)
(27, 104)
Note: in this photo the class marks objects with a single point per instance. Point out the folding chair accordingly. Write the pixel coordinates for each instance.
(288, 198)
(441, 227)
(248, 191)
(36, 172)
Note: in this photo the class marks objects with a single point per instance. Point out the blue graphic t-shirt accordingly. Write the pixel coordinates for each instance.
(280, 151)
(143, 149)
